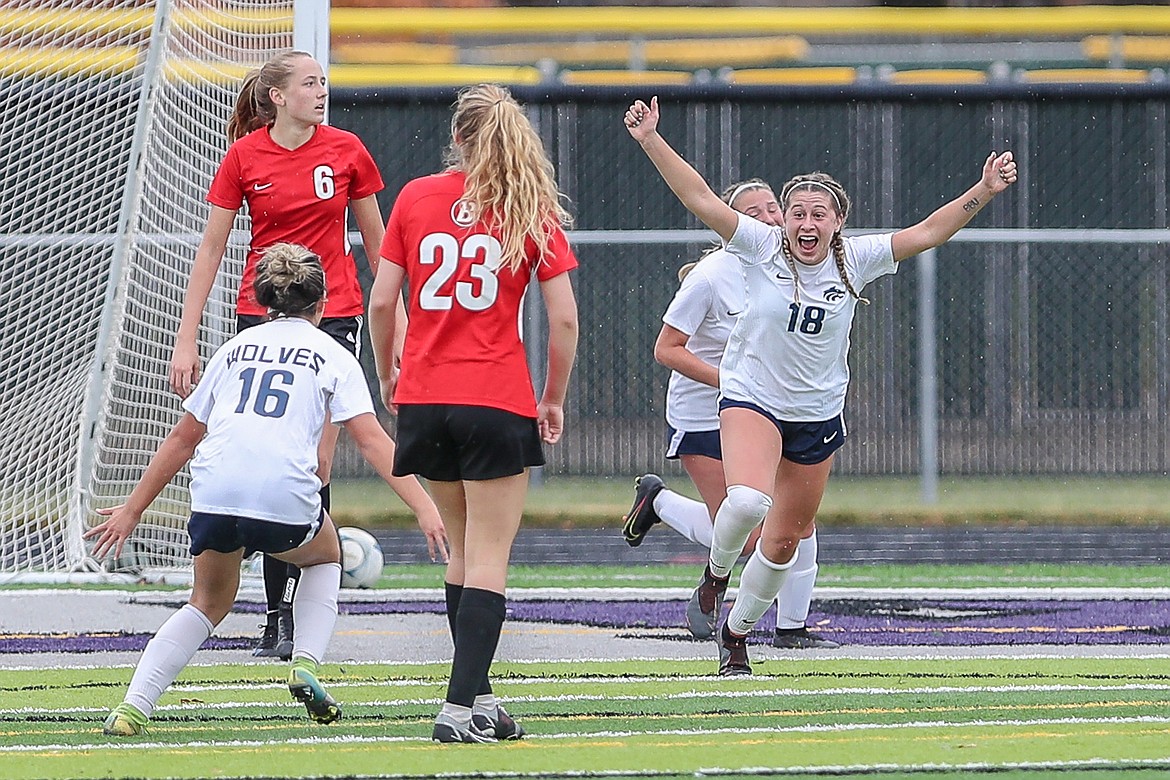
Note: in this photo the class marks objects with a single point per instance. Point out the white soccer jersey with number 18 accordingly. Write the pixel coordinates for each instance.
(706, 306)
(788, 354)
(263, 399)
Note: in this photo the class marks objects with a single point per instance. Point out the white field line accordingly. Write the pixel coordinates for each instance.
(1021, 652)
(594, 735)
(975, 592)
(755, 693)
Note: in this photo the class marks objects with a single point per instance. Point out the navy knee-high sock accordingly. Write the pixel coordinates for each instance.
(477, 632)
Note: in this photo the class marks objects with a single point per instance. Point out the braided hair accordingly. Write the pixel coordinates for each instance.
(820, 182)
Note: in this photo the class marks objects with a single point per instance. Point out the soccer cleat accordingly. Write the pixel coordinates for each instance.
(500, 727)
(305, 688)
(449, 730)
(125, 720)
(284, 635)
(642, 517)
(801, 639)
(266, 645)
(733, 656)
(703, 608)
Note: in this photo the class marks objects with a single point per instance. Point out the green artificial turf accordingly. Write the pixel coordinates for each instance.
(611, 718)
(601, 502)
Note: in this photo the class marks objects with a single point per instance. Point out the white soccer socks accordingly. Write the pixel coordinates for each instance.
(759, 583)
(795, 595)
(165, 656)
(315, 610)
(738, 515)
(685, 515)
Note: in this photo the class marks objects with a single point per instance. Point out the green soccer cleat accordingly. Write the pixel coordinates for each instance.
(125, 720)
(305, 688)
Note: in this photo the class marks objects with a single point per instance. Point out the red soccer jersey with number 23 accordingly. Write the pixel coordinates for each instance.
(463, 344)
(301, 196)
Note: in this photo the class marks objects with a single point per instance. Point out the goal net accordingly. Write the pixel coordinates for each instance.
(113, 126)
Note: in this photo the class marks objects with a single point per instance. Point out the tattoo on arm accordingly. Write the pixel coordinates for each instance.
(971, 205)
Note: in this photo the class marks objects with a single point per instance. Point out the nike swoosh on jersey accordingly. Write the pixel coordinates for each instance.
(258, 187)
(784, 278)
(828, 439)
(734, 313)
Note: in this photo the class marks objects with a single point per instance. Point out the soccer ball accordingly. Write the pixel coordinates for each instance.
(361, 558)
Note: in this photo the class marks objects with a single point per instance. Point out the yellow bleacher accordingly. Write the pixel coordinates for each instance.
(430, 75)
(795, 76)
(1127, 48)
(626, 77)
(1084, 76)
(938, 76)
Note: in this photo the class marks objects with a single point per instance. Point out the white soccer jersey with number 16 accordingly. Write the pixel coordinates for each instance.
(788, 354)
(263, 399)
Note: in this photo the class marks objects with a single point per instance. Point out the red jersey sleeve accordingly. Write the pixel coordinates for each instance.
(227, 188)
(558, 258)
(367, 179)
(393, 247)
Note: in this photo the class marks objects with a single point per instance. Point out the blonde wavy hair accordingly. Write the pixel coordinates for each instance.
(510, 179)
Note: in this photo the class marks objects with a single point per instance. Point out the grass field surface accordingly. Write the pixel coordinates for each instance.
(973, 577)
(600, 502)
(642, 718)
(1030, 713)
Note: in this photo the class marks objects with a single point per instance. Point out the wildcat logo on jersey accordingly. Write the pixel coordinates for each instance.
(464, 213)
(834, 293)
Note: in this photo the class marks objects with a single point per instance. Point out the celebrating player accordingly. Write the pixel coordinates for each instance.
(254, 423)
(298, 177)
(694, 335)
(784, 375)
(469, 240)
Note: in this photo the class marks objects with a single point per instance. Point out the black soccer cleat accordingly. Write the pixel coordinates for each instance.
(447, 730)
(642, 517)
(801, 639)
(266, 644)
(501, 727)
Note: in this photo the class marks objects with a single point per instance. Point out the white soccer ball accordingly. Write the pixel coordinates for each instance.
(361, 558)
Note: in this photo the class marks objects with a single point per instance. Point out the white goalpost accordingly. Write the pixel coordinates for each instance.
(114, 123)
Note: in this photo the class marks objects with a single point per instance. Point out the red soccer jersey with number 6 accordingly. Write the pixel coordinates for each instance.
(463, 344)
(301, 196)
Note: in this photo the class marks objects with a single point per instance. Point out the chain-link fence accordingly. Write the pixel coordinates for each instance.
(1052, 345)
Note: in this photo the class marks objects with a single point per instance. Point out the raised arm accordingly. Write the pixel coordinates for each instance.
(999, 172)
(694, 192)
(184, 372)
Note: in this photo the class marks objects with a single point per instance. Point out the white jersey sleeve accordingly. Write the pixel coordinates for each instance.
(350, 396)
(690, 304)
(754, 242)
(869, 258)
(705, 308)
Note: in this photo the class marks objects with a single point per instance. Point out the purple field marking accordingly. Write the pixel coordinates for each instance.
(872, 622)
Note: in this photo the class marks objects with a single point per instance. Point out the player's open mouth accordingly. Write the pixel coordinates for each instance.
(807, 243)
